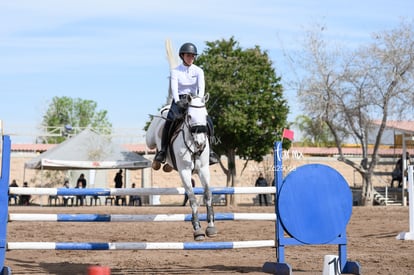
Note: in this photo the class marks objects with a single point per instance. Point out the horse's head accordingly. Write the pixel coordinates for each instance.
(197, 120)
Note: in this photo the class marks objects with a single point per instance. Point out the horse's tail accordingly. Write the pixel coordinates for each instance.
(152, 137)
(173, 62)
(154, 131)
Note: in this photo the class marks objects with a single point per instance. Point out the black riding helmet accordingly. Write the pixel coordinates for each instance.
(187, 48)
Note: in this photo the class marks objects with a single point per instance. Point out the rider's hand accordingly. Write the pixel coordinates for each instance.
(181, 105)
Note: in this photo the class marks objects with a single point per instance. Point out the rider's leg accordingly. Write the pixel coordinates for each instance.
(210, 127)
(162, 154)
(165, 138)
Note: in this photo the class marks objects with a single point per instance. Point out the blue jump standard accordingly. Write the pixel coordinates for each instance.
(314, 205)
(4, 201)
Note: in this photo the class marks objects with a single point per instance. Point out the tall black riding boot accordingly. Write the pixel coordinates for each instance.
(162, 154)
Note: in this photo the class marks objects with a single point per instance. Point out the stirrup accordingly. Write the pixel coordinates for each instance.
(160, 156)
(213, 158)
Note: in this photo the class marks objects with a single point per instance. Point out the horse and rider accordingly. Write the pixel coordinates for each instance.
(186, 79)
(189, 127)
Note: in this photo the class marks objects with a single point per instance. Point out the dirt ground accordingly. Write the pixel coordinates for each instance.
(371, 242)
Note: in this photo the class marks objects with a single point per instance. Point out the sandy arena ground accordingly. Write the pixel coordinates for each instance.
(371, 242)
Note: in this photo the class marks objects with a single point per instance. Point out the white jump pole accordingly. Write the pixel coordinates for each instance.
(409, 235)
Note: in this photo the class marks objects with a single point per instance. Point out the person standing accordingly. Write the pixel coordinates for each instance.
(82, 181)
(398, 173)
(262, 182)
(118, 184)
(79, 184)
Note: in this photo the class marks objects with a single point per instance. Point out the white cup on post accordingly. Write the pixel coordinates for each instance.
(331, 265)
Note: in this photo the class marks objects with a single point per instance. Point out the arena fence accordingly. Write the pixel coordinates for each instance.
(27, 217)
(293, 194)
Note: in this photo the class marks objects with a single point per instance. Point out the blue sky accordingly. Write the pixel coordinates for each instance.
(112, 52)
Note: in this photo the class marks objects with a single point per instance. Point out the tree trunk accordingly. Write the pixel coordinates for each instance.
(367, 190)
(231, 175)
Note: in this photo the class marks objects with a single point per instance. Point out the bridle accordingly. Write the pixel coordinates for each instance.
(194, 130)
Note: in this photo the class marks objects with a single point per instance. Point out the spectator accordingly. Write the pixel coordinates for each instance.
(80, 198)
(118, 184)
(134, 199)
(81, 180)
(261, 182)
(67, 198)
(13, 196)
(397, 173)
(81, 183)
(25, 199)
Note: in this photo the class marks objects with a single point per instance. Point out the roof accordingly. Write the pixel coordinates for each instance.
(406, 126)
(88, 150)
(325, 151)
(20, 147)
(37, 147)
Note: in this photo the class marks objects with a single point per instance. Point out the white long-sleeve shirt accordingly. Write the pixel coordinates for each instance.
(187, 80)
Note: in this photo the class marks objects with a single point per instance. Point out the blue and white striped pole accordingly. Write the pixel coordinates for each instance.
(138, 245)
(138, 218)
(136, 191)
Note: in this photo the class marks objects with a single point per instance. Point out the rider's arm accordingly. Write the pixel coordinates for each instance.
(174, 85)
(201, 83)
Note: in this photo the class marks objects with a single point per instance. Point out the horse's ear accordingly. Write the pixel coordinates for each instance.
(206, 97)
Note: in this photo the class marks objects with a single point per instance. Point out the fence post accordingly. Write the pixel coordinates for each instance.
(4, 201)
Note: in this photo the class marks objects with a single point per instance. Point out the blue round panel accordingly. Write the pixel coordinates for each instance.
(314, 204)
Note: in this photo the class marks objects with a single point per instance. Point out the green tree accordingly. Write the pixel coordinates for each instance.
(246, 102)
(352, 89)
(315, 132)
(78, 113)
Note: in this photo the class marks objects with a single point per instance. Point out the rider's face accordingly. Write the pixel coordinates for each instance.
(189, 58)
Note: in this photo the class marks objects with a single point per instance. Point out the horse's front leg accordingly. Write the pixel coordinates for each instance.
(211, 230)
(186, 179)
(198, 231)
(204, 174)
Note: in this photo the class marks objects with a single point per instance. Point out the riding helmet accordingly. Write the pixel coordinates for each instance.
(188, 48)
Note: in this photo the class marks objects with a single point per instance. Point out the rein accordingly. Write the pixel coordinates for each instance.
(195, 106)
(191, 131)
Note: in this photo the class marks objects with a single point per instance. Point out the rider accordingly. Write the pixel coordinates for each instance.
(186, 79)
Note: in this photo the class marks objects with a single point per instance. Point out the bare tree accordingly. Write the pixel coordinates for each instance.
(349, 90)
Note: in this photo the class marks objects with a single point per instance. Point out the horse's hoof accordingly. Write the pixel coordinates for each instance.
(167, 168)
(156, 165)
(211, 231)
(199, 235)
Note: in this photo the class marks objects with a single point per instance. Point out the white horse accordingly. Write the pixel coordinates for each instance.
(188, 153)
